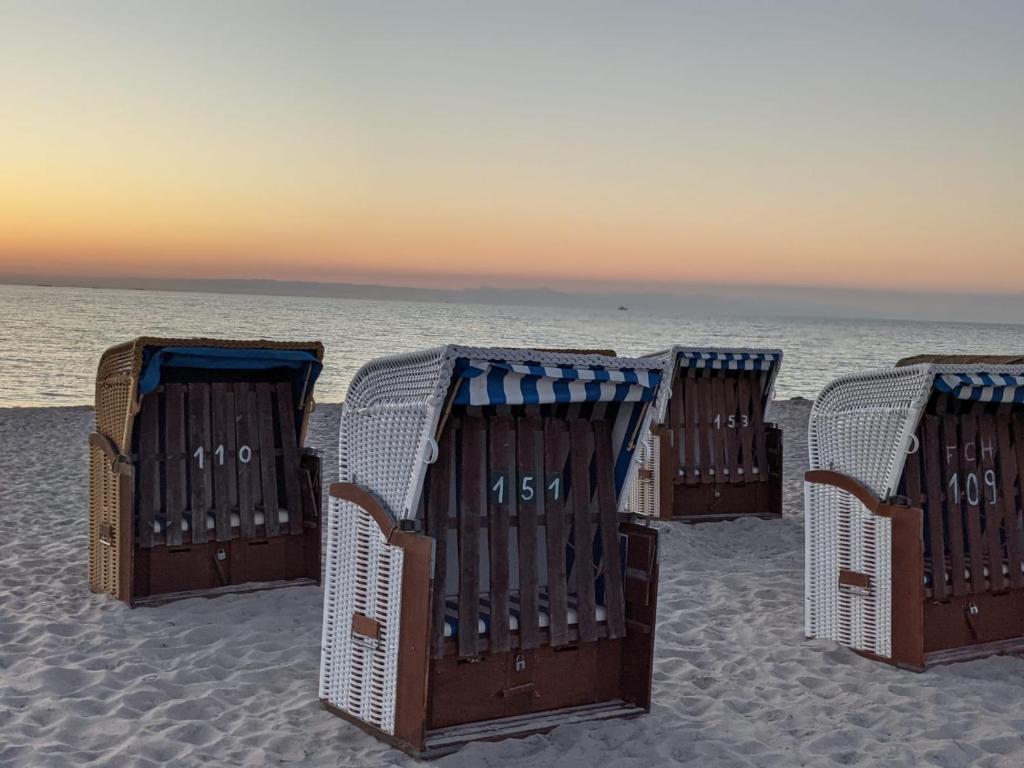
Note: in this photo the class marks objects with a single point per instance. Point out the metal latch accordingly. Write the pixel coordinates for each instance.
(520, 663)
(106, 534)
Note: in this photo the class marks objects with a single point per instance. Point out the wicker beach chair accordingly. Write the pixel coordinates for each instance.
(915, 553)
(198, 480)
(482, 582)
(710, 455)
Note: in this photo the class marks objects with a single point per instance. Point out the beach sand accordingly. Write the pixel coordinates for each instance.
(233, 681)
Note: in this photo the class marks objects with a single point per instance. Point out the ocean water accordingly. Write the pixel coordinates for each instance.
(51, 339)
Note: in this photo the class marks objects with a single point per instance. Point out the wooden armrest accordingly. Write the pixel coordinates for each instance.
(851, 485)
(115, 457)
(365, 498)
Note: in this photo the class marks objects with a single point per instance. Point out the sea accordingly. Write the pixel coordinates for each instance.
(51, 338)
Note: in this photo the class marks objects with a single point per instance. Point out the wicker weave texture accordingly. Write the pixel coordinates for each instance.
(364, 575)
(104, 509)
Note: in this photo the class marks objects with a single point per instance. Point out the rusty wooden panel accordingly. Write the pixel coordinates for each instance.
(971, 494)
(695, 421)
(709, 452)
(440, 507)
(225, 474)
(582, 452)
(176, 463)
(530, 467)
(501, 505)
(746, 428)
(268, 457)
(760, 442)
(611, 566)
(988, 441)
(149, 470)
(556, 453)
(948, 446)
(472, 503)
(291, 460)
(1009, 478)
(200, 460)
(247, 459)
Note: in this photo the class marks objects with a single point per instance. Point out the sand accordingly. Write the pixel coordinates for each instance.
(232, 681)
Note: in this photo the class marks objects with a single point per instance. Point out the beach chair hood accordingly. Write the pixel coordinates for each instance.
(396, 405)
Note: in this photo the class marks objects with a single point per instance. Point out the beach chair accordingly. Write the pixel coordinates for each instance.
(710, 454)
(199, 484)
(915, 553)
(482, 582)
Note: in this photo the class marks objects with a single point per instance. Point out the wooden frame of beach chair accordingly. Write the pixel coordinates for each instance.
(710, 454)
(193, 438)
(915, 553)
(468, 478)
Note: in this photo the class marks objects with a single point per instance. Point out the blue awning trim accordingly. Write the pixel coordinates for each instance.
(731, 361)
(304, 365)
(982, 387)
(627, 393)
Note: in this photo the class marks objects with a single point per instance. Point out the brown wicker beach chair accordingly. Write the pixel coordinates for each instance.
(199, 483)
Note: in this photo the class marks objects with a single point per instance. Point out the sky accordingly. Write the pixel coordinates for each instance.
(570, 145)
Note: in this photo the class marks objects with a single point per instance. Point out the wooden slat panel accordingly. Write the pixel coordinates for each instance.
(225, 476)
(988, 441)
(441, 506)
(200, 461)
(580, 458)
(291, 463)
(732, 429)
(247, 445)
(760, 441)
(977, 546)
(530, 466)
(176, 447)
(556, 453)
(746, 428)
(677, 424)
(604, 459)
(501, 501)
(149, 474)
(268, 457)
(1011, 461)
(694, 423)
(472, 503)
(709, 453)
(948, 446)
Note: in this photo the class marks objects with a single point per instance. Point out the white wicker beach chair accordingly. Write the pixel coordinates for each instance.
(913, 503)
(460, 604)
(709, 454)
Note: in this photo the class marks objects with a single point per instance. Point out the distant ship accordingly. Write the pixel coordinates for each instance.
(623, 309)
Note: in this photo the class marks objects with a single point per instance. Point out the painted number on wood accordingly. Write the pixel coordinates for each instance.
(498, 488)
(732, 422)
(972, 488)
(554, 487)
(244, 455)
(526, 492)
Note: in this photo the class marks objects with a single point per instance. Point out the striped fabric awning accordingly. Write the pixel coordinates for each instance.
(483, 382)
(732, 361)
(621, 395)
(983, 387)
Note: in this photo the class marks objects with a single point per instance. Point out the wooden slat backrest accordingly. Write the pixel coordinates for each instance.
(762, 465)
(219, 449)
(472, 499)
(1011, 457)
(971, 502)
(582, 452)
(530, 468)
(440, 506)
(993, 511)
(501, 503)
(929, 446)
(949, 437)
(695, 422)
(611, 565)
(556, 455)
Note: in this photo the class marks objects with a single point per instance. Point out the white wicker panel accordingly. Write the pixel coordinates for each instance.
(644, 498)
(364, 575)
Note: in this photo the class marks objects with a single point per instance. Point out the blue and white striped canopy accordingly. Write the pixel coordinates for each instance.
(732, 361)
(622, 395)
(983, 387)
(483, 382)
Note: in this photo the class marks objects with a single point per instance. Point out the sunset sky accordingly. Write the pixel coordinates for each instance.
(532, 144)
